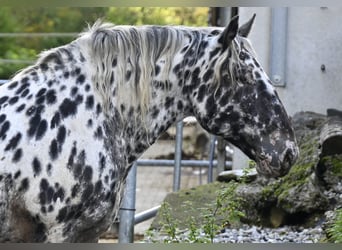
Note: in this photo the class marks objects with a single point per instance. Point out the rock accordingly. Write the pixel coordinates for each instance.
(303, 121)
(334, 112)
(301, 192)
(237, 175)
(304, 197)
(252, 202)
(329, 167)
(190, 206)
(331, 137)
(255, 234)
(277, 216)
(329, 171)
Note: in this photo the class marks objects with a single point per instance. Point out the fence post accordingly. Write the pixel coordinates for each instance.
(211, 158)
(178, 156)
(127, 210)
(221, 155)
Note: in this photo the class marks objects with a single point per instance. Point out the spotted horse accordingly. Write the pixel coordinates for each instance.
(72, 124)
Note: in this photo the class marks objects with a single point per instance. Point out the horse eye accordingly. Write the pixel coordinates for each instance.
(242, 56)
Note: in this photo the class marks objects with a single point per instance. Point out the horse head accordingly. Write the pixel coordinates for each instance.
(242, 106)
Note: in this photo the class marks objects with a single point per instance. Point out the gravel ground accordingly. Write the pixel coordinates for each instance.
(255, 234)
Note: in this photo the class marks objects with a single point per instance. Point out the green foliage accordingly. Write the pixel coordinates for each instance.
(170, 226)
(75, 20)
(224, 211)
(246, 171)
(22, 56)
(228, 206)
(157, 15)
(335, 230)
(33, 20)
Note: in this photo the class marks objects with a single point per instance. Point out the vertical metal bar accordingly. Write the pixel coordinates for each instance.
(211, 158)
(178, 156)
(278, 45)
(224, 16)
(200, 175)
(221, 155)
(127, 210)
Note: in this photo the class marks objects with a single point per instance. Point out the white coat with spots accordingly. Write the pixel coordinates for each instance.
(72, 124)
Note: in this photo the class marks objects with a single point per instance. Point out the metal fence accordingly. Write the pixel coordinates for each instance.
(127, 215)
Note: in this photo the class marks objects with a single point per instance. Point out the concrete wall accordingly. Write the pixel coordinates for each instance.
(314, 38)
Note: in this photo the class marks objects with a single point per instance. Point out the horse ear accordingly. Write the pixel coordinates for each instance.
(229, 32)
(246, 28)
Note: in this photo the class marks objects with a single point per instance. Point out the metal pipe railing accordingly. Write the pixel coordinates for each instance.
(184, 163)
(146, 215)
(38, 34)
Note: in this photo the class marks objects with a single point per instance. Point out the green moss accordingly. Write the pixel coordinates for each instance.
(194, 204)
(335, 164)
(297, 176)
(184, 202)
(299, 173)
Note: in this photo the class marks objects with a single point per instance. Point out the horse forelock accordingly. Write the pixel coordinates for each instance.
(230, 59)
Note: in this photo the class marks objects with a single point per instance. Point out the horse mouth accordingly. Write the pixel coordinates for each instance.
(278, 166)
(266, 169)
(275, 163)
(264, 166)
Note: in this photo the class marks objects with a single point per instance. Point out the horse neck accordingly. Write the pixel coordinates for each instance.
(171, 97)
(166, 95)
(166, 105)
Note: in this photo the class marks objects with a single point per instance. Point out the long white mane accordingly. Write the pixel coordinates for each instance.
(128, 55)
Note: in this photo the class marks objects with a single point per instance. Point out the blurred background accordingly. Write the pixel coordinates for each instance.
(25, 32)
(299, 47)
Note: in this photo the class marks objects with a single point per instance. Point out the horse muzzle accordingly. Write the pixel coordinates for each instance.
(274, 164)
